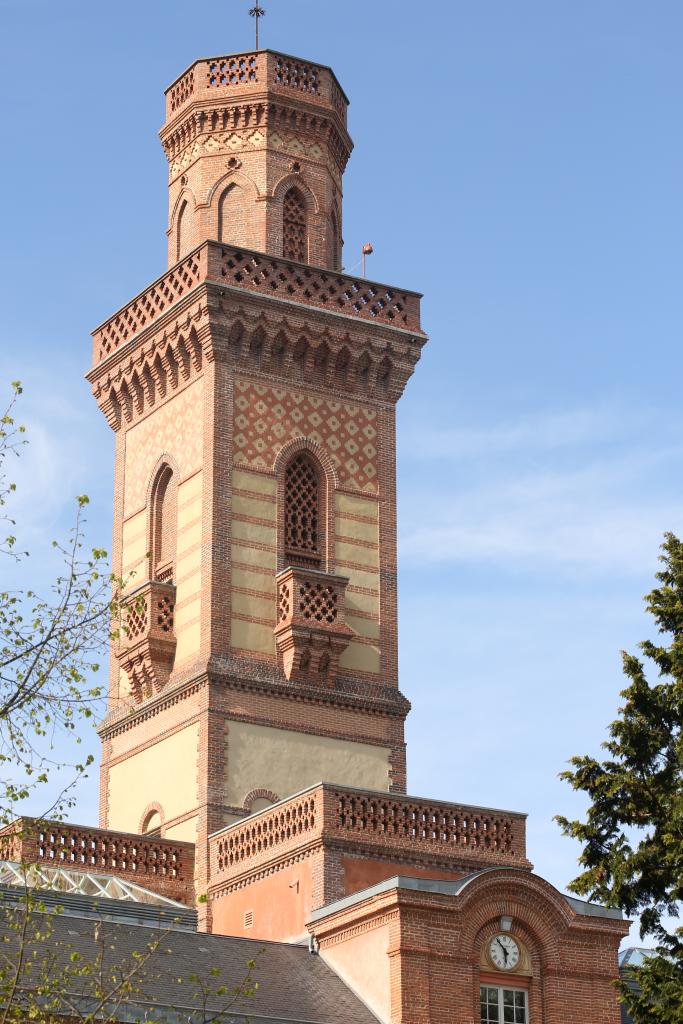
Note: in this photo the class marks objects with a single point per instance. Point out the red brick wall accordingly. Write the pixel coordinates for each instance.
(438, 943)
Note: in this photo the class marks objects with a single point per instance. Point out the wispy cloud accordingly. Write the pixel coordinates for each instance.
(538, 433)
(590, 511)
(57, 462)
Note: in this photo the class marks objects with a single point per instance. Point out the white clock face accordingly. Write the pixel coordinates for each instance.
(504, 952)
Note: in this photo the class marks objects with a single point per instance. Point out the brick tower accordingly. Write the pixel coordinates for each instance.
(253, 749)
(252, 392)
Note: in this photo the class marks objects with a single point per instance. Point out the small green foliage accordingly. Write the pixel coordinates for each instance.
(50, 648)
(632, 838)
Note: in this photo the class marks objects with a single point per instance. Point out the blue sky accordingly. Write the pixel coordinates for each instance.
(522, 165)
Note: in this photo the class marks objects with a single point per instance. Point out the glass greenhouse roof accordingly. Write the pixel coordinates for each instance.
(80, 883)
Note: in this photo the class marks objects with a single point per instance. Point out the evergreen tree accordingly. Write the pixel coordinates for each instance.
(632, 837)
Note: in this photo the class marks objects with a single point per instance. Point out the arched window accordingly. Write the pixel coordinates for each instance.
(294, 233)
(302, 513)
(334, 241)
(183, 231)
(164, 516)
(151, 826)
(231, 216)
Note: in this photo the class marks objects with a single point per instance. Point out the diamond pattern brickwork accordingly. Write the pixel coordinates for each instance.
(174, 428)
(267, 417)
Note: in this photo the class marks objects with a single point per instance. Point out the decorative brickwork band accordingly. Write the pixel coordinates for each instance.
(148, 642)
(166, 866)
(370, 824)
(237, 73)
(254, 271)
(426, 823)
(352, 296)
(281, 829)
(311, 634)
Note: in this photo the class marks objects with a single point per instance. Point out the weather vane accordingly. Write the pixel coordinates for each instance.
(257, 12)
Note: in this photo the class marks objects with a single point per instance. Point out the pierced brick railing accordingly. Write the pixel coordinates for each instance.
(394, 826)
(270, 832)
(241, 72)
(417, 823)
(267, 275)
(311, 634)
(147, 642)
(163, 865)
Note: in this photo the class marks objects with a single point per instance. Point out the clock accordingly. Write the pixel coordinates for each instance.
(504, 952)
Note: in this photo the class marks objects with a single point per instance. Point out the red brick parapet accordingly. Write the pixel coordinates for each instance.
(162, 865)
(238, 74)
(385, 825)
(251, 271)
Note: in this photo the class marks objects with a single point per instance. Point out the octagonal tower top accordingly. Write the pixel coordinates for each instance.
(257, 146)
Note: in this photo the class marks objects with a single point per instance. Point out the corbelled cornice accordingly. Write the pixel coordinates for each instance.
(257, 312)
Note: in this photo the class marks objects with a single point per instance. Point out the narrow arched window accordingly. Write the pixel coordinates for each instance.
(231, 216)
(294, 233)
(183, 231)
(335, 246)
(302, 513)
(164, 516)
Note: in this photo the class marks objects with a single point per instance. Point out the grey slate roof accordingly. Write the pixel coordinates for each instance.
(294, 984)
(98, 908)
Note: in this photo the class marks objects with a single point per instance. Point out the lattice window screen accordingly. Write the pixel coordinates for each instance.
(302, 513)
(294, 227)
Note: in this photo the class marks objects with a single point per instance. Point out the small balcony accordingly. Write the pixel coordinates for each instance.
(147, 643)
(311, 634)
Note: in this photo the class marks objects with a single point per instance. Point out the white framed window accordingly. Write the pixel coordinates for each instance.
(500, 1005)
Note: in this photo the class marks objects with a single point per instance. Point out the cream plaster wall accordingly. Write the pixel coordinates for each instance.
(251, 579)
(258, 508)
(351, 550)
(351, 504)
(244, 480)
(252, 636)
(254, 516)
(165, 773)
(134, 550)
(185, 831)
(254, 532)
(362, 657)
(188, 569)
(284, 761)
(253, 556)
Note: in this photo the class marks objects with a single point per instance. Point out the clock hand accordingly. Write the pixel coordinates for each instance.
(505, 952)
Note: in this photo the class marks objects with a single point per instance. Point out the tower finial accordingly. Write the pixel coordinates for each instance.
(257, 12)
